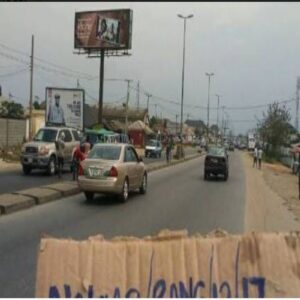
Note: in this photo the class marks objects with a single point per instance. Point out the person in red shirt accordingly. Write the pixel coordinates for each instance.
(80, 154)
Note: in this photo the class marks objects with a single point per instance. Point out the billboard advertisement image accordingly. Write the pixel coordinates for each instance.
(64, 107)
(107, 29)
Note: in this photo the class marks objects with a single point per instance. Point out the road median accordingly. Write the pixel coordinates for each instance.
(16, 201)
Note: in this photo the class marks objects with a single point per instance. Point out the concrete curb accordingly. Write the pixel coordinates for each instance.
(39, 195)
(10, 203)
(35, 196)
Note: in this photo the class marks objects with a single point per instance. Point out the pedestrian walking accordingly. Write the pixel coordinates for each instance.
(259, 156)
(169, 147)
(255, 153)
(60, 146)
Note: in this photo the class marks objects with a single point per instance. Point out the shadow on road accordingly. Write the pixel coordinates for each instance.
(109, 200)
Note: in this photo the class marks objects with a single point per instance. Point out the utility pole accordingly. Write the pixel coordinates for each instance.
(209, 75)
(78, 85)
(297, 104)
(223, 125)
(155, 110)
(218, 96)
(31, 87)
(126, 107)
(101, 80)
(176, 124)
(148, 95)
(138, 96)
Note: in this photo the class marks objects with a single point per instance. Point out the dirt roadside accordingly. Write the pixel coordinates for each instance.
(9, 166)
(270, 198)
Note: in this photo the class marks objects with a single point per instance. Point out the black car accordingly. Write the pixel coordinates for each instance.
(216, 162)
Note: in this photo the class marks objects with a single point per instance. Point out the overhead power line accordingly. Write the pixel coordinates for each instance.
(19, 71)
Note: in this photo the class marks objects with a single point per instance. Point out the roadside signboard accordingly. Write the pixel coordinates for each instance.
(171, 265)
(64, 107)
(106, 29)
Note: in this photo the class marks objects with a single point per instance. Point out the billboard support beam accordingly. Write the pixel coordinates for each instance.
(31, 87)
(101, 80)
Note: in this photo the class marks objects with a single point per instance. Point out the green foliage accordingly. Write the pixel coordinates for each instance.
(11, 109)
(153, 121)
(36, 105)
(274, 129)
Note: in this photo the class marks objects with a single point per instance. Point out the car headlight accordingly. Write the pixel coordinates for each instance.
(44, 150)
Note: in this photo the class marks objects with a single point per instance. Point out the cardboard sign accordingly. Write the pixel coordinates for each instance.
(171, 265)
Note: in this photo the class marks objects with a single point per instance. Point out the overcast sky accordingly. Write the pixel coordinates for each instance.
(253, 49)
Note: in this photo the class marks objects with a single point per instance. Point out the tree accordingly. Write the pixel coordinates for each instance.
(36, 105)
(11, 109)
(153, 121)
(214, 129)
(274, 128)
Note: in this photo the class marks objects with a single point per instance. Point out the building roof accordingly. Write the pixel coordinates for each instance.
(140, 125)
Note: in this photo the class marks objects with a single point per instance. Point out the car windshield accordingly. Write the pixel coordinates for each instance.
(46, 135)
(152, 143)
(216, 151)
(105, 152)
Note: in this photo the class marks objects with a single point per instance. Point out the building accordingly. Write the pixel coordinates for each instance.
(138, 133)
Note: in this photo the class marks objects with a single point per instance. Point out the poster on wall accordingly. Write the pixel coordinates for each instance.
(64, 107)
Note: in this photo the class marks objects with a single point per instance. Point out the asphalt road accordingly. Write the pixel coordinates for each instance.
(15, 180)
(177, 198)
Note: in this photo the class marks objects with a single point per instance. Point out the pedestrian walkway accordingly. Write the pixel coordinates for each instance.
(9, 166)
(266, 210)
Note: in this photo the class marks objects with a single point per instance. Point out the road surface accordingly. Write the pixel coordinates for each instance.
(177, 198)
(14, 180)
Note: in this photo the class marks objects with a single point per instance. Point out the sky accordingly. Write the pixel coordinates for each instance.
(252, 48)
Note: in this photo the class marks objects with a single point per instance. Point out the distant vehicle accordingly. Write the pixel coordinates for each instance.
(251, 142)
(112, 169)
(242, 146)
(216, 162)
(41, 152)
(104, 136)
(153, 148)
(231, 147)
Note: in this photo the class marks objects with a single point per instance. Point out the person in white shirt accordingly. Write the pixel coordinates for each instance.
(259, 156)
(255, 153)
(56, 113)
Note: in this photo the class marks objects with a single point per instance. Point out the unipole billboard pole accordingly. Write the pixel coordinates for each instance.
(101, 80)
(31, 87)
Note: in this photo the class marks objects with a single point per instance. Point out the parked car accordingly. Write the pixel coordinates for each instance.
(153, 148)
(112, 169)
(41, 152)
(216, 162)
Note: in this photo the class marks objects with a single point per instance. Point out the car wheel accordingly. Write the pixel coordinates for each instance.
(51, 169)
(226, 176)
(205, 176)
(143, 187)
(89, 196)
(26, 170)
(159, 154)
(125, 191)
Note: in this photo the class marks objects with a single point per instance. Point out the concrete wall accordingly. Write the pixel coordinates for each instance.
(12, 131)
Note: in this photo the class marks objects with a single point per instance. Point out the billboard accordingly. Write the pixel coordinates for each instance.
(64, 107)
(106, 29)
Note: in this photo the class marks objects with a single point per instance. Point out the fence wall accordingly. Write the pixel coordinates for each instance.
(12, 131)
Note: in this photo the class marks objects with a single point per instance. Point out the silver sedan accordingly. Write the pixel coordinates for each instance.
(112, 169)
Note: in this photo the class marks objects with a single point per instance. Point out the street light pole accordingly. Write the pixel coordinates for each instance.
(218, 96)
(183, 65)
(209, 75)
